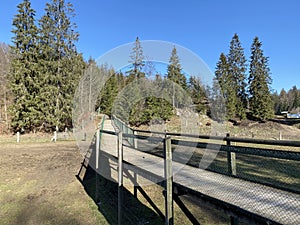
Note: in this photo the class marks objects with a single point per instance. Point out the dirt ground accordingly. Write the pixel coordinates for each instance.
(38, 185)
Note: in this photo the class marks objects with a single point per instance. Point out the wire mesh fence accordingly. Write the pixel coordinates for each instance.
(273, 164)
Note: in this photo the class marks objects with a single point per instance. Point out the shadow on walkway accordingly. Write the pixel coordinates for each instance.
(104, 192)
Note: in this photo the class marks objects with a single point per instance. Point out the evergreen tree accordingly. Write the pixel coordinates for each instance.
(197, 93)
(175, 74)
(217, 102)
(60, 63)
(277, 105)
(5, 94)
(24, 75)
(110, 91)
(137, 61)
(294, 98)
(284, 103)
(174, 70)
(227, 85)
(237, 69)
(260, 102)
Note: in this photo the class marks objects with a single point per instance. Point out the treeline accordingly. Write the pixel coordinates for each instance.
(45, 67)
(141, 82)
(42, 68)
(287, 101)
(245, 94)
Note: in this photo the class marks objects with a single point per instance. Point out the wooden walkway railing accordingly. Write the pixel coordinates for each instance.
(239, 197)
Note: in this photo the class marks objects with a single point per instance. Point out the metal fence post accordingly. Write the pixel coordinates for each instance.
(231, 158)
(120, 176)
(168, 181)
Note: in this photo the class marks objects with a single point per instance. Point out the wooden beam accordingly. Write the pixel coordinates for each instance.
(231, 159)
(185, 210)
(120, 177)
(168, 182)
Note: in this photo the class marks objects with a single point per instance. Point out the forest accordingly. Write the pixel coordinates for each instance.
(42, 68)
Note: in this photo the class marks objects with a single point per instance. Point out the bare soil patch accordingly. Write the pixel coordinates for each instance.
(38, 185)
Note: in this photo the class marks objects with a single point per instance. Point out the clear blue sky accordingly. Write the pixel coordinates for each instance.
(203, 26)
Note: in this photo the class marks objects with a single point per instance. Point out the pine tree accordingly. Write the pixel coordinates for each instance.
(237, 69)
(60, 63)
(227, 85)
(260, 102)
(24, 75)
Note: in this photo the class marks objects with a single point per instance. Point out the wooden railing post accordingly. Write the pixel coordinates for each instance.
(168, 181)
(120, 176)
(97, 148)
(97, 161)
(135, 140)
(231, 159)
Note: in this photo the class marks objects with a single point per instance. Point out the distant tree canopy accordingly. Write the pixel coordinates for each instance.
(42, 68)
(45, 67)
(287, 101)
(244, 94)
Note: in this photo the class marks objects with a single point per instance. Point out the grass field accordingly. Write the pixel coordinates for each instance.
(39, 186)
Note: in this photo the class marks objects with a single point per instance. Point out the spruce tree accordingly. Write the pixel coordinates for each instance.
(174, 73)
(217, 102)
(109, 92)
(24, 75)
(137, 61)
(260, 101)
(60, 63)
(197, 93)
(237, 69)
(227, 85)
(5, 94)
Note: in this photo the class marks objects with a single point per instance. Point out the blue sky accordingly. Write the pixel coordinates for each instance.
(203, 26)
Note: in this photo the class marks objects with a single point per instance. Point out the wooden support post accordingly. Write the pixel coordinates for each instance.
(168, 181)
(231, 159)
(18, 137)
(234, 220)
(135, 140)
(120, 176)
(280, 135)
(135, 185)
(185, 210)
(97, 148)
(97, 161)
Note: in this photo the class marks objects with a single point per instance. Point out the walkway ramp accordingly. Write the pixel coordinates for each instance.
(276, 205)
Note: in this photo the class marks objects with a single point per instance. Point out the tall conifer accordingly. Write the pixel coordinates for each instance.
(260, 101)
(24, 74)
(227, 85)
(237, 69)
(61, 64)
